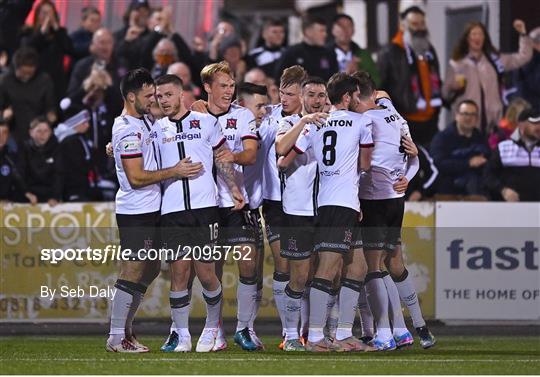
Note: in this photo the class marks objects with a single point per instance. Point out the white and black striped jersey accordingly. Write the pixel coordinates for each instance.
(136, 138)
(268, 131)
(237, 124)
(195, 135)
(388, 161)
(300, 181)
(336, 146)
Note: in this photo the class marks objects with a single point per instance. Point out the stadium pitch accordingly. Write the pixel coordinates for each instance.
(86, 355)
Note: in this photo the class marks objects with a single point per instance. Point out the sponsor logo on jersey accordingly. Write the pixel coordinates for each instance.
(329, 173)
(181, 137)
(229, 137)
(231, 123)
(151, 136)
(195, 123)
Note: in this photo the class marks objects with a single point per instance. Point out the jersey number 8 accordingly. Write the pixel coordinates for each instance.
(329, 149)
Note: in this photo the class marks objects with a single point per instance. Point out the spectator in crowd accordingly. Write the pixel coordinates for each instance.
(82, 37)
(528, 76)
(266, 56)
(230, 50)
(101, 58)
(128, 40)
(311, 53)
(52, 43)
(513, 172)
(39, 162)
(476, 71)
(409, 71)
(77, 168)
(164, 55)
(256, 76)
(350, 56)
(224, 29)
(160, 26)
(460, 153)
(12, 17)
(424, 183)
(11, 181)
(508, 123)
(26, 93)
(182, 71)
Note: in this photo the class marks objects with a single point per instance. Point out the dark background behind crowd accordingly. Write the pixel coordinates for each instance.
(59, 90)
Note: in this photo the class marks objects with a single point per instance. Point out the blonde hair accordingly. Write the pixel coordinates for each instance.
(293, 75)
(515, 108)
(208, 72)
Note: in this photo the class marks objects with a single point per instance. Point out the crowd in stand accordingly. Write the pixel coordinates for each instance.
(59, 95)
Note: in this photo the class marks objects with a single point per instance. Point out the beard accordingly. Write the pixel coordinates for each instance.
(418, 41)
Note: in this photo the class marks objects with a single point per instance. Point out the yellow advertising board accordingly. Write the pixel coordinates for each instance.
(84, 283)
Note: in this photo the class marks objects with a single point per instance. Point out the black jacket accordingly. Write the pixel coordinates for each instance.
(41, 168)
(317, 61)
(395, 76)
(12, 183)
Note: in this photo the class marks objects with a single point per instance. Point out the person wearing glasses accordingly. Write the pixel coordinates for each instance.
(460, 152)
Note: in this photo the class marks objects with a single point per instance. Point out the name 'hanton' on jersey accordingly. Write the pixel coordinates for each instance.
(136, 138)
(195, 135)
(237, 124)
(337, 145)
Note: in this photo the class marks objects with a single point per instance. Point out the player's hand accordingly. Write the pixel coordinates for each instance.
(519, 26)
(409, 147)
(509, 195)
(238, 199)
(31, 198)
(109, 150)
(225, 155)
(477, 161)
(200, 106)
(187, 169)
(318, 119)
(401, 185)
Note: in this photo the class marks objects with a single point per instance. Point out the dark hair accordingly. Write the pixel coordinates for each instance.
(340, 84)
(339, 16)
(39, 119)
(273, 22)
(26, 56)
(134, 80)
(87, 11)
(169, 79)
(309, 21)
(413, 9)
(35, 24)
(313, 80)
(462, 47)
(248, 88)
(292, 75)
(365, 83)
(467, 102)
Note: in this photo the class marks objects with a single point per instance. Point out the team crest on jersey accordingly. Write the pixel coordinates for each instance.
(231, 123)
(195, 123)
(292, 245)
(348, 236)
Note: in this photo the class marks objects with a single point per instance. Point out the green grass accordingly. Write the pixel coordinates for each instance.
(86, 355)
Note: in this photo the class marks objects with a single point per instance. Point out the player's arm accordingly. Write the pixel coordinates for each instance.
(365, 158)
(225, 170)
(409, 147)
(284, 142)
(413, 165)
(138, 177)
(284, 162)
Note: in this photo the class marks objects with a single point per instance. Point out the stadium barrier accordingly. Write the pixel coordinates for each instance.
(30, 235)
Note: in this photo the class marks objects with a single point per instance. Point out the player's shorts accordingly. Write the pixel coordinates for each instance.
(273, 219)
(381, 223)
(337, 229)
(186, 233)
(256, 221)
(139, 233)
(297, 237)
(235, 227)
